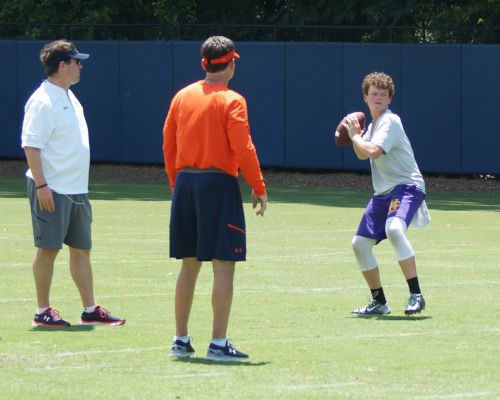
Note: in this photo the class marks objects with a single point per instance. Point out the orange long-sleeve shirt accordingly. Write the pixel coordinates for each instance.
(207, 127)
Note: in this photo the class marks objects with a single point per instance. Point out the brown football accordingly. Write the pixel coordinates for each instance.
(342, 138)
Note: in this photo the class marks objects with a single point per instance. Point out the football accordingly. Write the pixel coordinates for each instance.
(342, 138)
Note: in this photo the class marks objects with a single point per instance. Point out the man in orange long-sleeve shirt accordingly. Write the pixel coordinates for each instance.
(206, 140)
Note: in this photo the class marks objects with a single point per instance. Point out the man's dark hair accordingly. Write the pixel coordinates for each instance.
(215, 47)
(53, 53)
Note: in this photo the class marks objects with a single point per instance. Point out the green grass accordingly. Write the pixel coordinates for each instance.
(291, 309)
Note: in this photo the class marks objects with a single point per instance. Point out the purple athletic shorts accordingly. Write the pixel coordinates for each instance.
(402, 202)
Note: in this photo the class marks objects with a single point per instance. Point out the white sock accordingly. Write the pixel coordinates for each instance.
(219, 342)
(183, 339)
(41, 310)
(90, 309)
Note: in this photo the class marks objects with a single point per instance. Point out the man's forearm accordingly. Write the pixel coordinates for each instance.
(35, 163)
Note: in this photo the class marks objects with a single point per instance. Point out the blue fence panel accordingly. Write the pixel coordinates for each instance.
(145, 98)
(29, 76)
(186, 64)
(259, 78)
(9, 133)
(358, 61)
(313, 81)
(296, 95)
(431, 105)
(481, 86)
(99, 93)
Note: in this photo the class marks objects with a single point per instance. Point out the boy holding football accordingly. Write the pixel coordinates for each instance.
(399, 197)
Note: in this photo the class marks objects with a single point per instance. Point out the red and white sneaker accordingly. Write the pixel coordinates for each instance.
(49, 318)
(100, 316)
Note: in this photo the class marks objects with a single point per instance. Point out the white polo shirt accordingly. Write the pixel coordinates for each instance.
(397, 165)
(54, 123)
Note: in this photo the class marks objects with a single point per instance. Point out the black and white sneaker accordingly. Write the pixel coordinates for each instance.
(182, 350)
(374, 307)
(225, 353)
(416, 303)
(100, 316)
(49, 318)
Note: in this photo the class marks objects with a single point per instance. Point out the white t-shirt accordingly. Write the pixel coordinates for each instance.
(55, 124)
(397, 165)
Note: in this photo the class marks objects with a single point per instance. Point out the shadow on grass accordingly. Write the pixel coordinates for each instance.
(72, 328)
(389, 317)
(328, 197)
(201, 360)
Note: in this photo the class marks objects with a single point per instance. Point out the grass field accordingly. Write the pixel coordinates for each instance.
(291, 309)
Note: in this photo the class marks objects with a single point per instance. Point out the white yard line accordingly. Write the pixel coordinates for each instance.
(329, 338)
(94, 366)
(267, 289)
(428, 333)
(317, 386)
(186, 376)
(111, 351)
(469, 395)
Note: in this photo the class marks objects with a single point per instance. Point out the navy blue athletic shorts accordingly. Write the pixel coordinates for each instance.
(402, 202)
(207, 219)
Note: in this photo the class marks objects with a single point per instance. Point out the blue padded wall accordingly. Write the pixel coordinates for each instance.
(313, 82)
(431, 105)
(359, 60)
(259, 78)
(186, 64)
(29, 71)
(29, 76)
(296, 94)
(9, 114)
(99, 93)
(481, 86)
(145, 98)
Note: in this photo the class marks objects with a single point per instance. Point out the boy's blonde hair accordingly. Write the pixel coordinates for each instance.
(380, 81)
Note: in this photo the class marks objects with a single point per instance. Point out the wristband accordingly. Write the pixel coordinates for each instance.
(42, 186)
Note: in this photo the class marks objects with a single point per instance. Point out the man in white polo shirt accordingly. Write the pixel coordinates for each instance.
(56, 144)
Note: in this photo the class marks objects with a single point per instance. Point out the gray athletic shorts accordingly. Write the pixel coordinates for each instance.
(69, 223)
